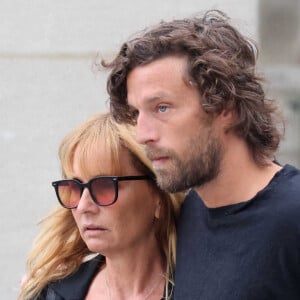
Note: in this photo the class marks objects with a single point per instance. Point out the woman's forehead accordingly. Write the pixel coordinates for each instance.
(102, 161)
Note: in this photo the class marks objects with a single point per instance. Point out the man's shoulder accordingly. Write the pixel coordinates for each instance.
(289, 175)
(284, 189)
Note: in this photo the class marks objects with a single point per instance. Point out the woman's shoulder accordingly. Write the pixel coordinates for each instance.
(76, 285)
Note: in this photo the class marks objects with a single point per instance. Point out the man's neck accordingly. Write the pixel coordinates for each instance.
(239, 180)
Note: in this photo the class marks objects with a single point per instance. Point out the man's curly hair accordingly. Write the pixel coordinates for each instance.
(220, 64)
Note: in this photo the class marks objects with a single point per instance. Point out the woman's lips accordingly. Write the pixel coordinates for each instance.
(93, 228)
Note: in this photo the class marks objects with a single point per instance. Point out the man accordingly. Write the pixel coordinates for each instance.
(200, 110)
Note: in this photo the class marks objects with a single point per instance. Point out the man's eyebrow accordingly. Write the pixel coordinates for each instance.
(150, 100)
(157, 98)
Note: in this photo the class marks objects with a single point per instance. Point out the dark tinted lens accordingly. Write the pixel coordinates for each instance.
(103, 190)
(69, 193)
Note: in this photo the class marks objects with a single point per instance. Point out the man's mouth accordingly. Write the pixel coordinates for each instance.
(159, 161)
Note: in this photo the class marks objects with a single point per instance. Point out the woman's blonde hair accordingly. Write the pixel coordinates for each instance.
(58, 249)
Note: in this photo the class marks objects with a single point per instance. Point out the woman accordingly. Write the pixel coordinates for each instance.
(110, 206)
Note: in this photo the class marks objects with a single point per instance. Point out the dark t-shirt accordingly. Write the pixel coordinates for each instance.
(247, 251)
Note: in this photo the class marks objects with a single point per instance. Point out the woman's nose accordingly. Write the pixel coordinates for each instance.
(86, 202)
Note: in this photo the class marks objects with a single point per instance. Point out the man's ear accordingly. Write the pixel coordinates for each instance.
(227, 118)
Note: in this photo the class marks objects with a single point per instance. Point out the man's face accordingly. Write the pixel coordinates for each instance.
(183, 145)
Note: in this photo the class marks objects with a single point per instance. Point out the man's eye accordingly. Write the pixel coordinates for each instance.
(162, 108)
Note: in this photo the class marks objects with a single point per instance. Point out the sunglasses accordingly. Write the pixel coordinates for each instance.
(103, 189)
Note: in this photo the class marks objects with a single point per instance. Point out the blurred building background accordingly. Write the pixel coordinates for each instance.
(48, 85)
(279, 37)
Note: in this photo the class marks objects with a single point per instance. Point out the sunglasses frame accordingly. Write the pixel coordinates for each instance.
(88, 185)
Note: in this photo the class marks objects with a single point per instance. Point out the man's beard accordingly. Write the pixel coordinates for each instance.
(199, 166)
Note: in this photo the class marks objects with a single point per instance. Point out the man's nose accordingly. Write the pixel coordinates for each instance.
(145, 129)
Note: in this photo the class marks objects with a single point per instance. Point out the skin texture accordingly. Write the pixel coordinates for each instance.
(184, 147)
(123, 232)
(127, 225)
(187, 147)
